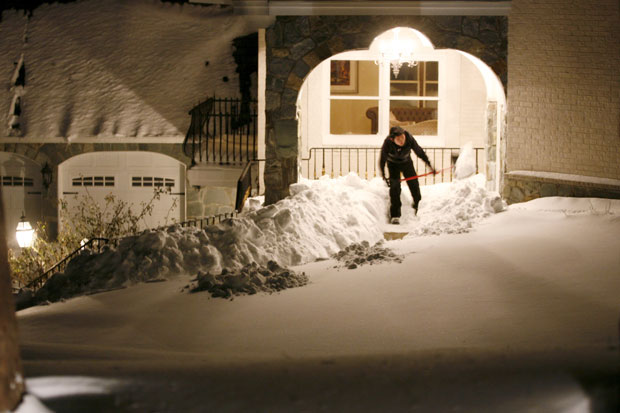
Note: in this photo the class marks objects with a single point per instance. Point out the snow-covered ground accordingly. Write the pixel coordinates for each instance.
(481, 307)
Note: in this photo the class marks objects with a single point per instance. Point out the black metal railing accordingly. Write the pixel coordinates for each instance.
(204, 222)
(95, 244)
(248, 183)
(339, 161)
(222, 130)
(244, 186)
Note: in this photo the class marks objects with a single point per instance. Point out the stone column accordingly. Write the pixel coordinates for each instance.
(281, 154)
(491, 145)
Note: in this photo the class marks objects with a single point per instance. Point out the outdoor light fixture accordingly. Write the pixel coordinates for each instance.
(24, 233)
(46, 174)
(397, 51)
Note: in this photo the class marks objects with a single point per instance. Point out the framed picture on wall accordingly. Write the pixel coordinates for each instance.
(343, 76)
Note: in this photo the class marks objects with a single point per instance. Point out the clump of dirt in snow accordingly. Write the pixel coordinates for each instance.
(362, 253)
(250, 279)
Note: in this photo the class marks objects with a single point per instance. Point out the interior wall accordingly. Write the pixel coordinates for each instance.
(473, 104)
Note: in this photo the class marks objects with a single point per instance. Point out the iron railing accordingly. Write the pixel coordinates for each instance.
(339, 161)
(222, 130)
(244, 186)
(204, 221)
(95, 244)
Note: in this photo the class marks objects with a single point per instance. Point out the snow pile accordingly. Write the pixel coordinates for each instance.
(299, 229)
(319, 219)
(450, 208)
(30, 404)
(466, 163)
(251, 279)
(362, 253)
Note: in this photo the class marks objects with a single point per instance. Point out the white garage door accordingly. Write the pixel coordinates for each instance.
(131, 177)
(20, 178)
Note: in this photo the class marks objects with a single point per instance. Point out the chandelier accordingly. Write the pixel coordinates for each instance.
(397, 51)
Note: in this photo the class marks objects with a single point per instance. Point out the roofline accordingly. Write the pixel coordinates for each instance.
(362, 8)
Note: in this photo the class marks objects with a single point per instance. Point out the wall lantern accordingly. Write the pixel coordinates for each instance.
(397, 51)
(46, 174)
(24, 233)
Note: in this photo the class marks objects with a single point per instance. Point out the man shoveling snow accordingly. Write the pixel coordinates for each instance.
(396, 152)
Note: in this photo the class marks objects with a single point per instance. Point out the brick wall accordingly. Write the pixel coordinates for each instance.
(564, 87)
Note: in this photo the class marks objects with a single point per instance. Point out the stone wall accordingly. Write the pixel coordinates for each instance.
(297, 44)
(564, 87)
(519, 187)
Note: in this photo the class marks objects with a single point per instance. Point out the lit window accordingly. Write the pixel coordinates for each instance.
(409, 100)
(414, 98)
(354, 89)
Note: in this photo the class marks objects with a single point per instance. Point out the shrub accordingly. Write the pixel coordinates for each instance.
(88, 219)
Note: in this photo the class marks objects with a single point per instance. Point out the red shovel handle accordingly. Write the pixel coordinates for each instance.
(428, 173)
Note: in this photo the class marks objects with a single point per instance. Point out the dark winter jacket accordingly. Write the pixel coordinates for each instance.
(391, 152)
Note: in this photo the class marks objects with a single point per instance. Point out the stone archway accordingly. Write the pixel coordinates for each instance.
(297, 44)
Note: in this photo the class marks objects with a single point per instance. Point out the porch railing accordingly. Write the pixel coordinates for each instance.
(204, 222)
(223, 131)
(339, 161)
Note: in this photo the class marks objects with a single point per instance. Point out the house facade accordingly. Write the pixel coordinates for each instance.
(103, 100)
(301, 50)
(101, 94)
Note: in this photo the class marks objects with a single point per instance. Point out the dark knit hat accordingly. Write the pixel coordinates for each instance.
(396, 130)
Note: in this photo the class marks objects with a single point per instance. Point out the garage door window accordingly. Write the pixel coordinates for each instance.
(16, 181)
(151, 181)
(93, 181)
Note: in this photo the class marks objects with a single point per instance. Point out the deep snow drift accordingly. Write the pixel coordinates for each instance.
(319, 219)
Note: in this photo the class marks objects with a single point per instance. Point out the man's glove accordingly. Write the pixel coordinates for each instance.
(387, 181)
(433, 170)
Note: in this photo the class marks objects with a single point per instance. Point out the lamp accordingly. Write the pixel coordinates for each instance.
(397, 51)
(46, 174)
(24, 233)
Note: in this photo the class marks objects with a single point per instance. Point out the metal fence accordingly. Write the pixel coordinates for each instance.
(97, 244)
(93, 244)
(205, 221)
(339, 161)
(223, 131)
